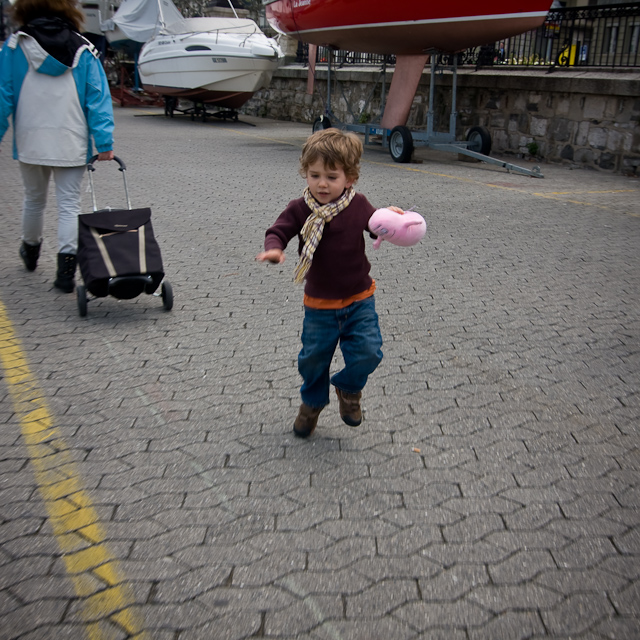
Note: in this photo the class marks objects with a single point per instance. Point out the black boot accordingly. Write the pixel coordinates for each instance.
(66, 271)
(30, 254)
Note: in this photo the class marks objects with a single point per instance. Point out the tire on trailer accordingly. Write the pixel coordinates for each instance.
(401, 144)
(480, 140)
(320, 123)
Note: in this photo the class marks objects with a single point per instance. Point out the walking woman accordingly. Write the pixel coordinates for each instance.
(54, 86)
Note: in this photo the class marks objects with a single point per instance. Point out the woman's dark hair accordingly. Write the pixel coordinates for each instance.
(24, 11)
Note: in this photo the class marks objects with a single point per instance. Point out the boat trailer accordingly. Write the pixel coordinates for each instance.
(401, 141)
(197, 110)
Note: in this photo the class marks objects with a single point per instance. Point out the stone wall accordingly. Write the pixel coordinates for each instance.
(586, 118)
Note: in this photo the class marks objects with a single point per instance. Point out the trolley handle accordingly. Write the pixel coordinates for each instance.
(91, 169)
(90, 166)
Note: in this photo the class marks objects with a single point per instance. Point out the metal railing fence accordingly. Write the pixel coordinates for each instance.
(605, 36)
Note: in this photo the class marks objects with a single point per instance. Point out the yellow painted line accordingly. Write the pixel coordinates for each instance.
(569, 193)
(105, 597)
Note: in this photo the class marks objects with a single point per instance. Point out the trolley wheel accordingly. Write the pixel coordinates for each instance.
(400, 144)
(480, 140)
(320, 123)
(167, 295)
(81, 294)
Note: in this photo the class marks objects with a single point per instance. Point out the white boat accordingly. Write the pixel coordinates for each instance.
(205, 60)
(210, 60)
(97, 15)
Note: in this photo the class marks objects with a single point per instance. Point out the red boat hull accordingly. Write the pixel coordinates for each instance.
(403, 27)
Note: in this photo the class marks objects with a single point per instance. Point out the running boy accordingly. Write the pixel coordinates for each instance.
(330, 220)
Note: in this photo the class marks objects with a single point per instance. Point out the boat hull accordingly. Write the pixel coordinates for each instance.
(226, 99)
(207, 67)
(403, 27)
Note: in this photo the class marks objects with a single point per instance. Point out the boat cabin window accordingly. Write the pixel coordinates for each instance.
(197, 47)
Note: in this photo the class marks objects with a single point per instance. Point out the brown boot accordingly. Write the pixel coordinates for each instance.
(306, 421)
(350, 410)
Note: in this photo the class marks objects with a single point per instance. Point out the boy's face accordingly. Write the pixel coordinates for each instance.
(325, 184)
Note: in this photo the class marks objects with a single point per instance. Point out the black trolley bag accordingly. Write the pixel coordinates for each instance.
(117, 252)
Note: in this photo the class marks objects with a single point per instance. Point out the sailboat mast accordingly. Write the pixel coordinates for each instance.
(163, 26)
(235, 13)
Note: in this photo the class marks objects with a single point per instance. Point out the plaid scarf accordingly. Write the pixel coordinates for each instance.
(313, 228)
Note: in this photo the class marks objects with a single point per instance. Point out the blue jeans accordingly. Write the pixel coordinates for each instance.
(357, 330)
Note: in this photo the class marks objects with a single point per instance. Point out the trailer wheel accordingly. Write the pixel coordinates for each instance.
(320, 123)
(480, 140)
(169, 105)
(81, 294)
(400, 144)
(167, 295)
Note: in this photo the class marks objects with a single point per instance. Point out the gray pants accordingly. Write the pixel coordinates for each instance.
(68, 182)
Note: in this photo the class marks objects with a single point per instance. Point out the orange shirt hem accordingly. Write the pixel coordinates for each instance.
(321, 303)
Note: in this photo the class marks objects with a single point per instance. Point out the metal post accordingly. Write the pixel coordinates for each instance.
(384, 86)
(329, 54)
(432, 93)
(453, 117)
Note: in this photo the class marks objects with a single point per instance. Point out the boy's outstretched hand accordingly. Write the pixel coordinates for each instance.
(273, 255)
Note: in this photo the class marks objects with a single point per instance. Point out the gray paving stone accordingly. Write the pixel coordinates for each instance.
(472, 528)
(231, 598)
(455, 616)
(416, 567)
(512, 625)
(303, 616)
(521, 567)
(480, 552)
(626, 601)
(584, 552)
(233, 626)
(522, 597)
(71, 631)
(381, 599)
(8, 602)
(31, 616)
(576, 614)
(569, 582)
(378, 629)
(452, 583)
(619, 628)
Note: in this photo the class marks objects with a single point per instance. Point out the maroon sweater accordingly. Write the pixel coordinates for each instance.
(340, 268)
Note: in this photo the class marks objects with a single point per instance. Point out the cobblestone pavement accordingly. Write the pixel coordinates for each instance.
(150, 483)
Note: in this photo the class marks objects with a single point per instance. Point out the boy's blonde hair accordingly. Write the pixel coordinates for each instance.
(336, 149)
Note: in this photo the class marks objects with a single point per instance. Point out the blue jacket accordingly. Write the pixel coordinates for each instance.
(57, 107)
